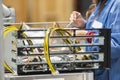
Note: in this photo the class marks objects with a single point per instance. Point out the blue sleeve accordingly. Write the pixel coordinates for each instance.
(113, 22)
(115, 45)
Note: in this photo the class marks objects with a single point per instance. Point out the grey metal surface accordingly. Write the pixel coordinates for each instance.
(72, 76)
(1, 44)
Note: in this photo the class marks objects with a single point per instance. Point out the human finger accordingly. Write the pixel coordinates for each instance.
(76, 15)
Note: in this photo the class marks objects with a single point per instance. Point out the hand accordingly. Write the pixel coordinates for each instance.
(77, 20)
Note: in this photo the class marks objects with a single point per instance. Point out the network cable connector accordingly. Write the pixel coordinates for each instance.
(57, 50)
(9, 15)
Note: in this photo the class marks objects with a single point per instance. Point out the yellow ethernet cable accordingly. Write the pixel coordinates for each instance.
(8, 29)
(46, 46)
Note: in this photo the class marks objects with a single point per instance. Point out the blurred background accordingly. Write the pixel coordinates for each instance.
(46, 10)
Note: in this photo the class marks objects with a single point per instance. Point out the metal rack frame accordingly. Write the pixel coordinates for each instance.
(102, 34)
(66, 76)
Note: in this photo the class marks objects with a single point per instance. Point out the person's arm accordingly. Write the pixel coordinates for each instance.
(115, 45)
(114, 23)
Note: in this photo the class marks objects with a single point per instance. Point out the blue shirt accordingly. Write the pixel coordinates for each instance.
(109, 18)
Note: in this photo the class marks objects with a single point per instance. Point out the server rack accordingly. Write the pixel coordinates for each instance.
(103, 35)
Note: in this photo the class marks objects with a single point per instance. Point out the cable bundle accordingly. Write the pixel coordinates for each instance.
(60, 32)
(8, 29)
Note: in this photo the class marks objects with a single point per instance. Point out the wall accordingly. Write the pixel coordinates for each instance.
(41, 10)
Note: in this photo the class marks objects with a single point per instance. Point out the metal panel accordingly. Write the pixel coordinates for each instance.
(1, 44)
(73, 76)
